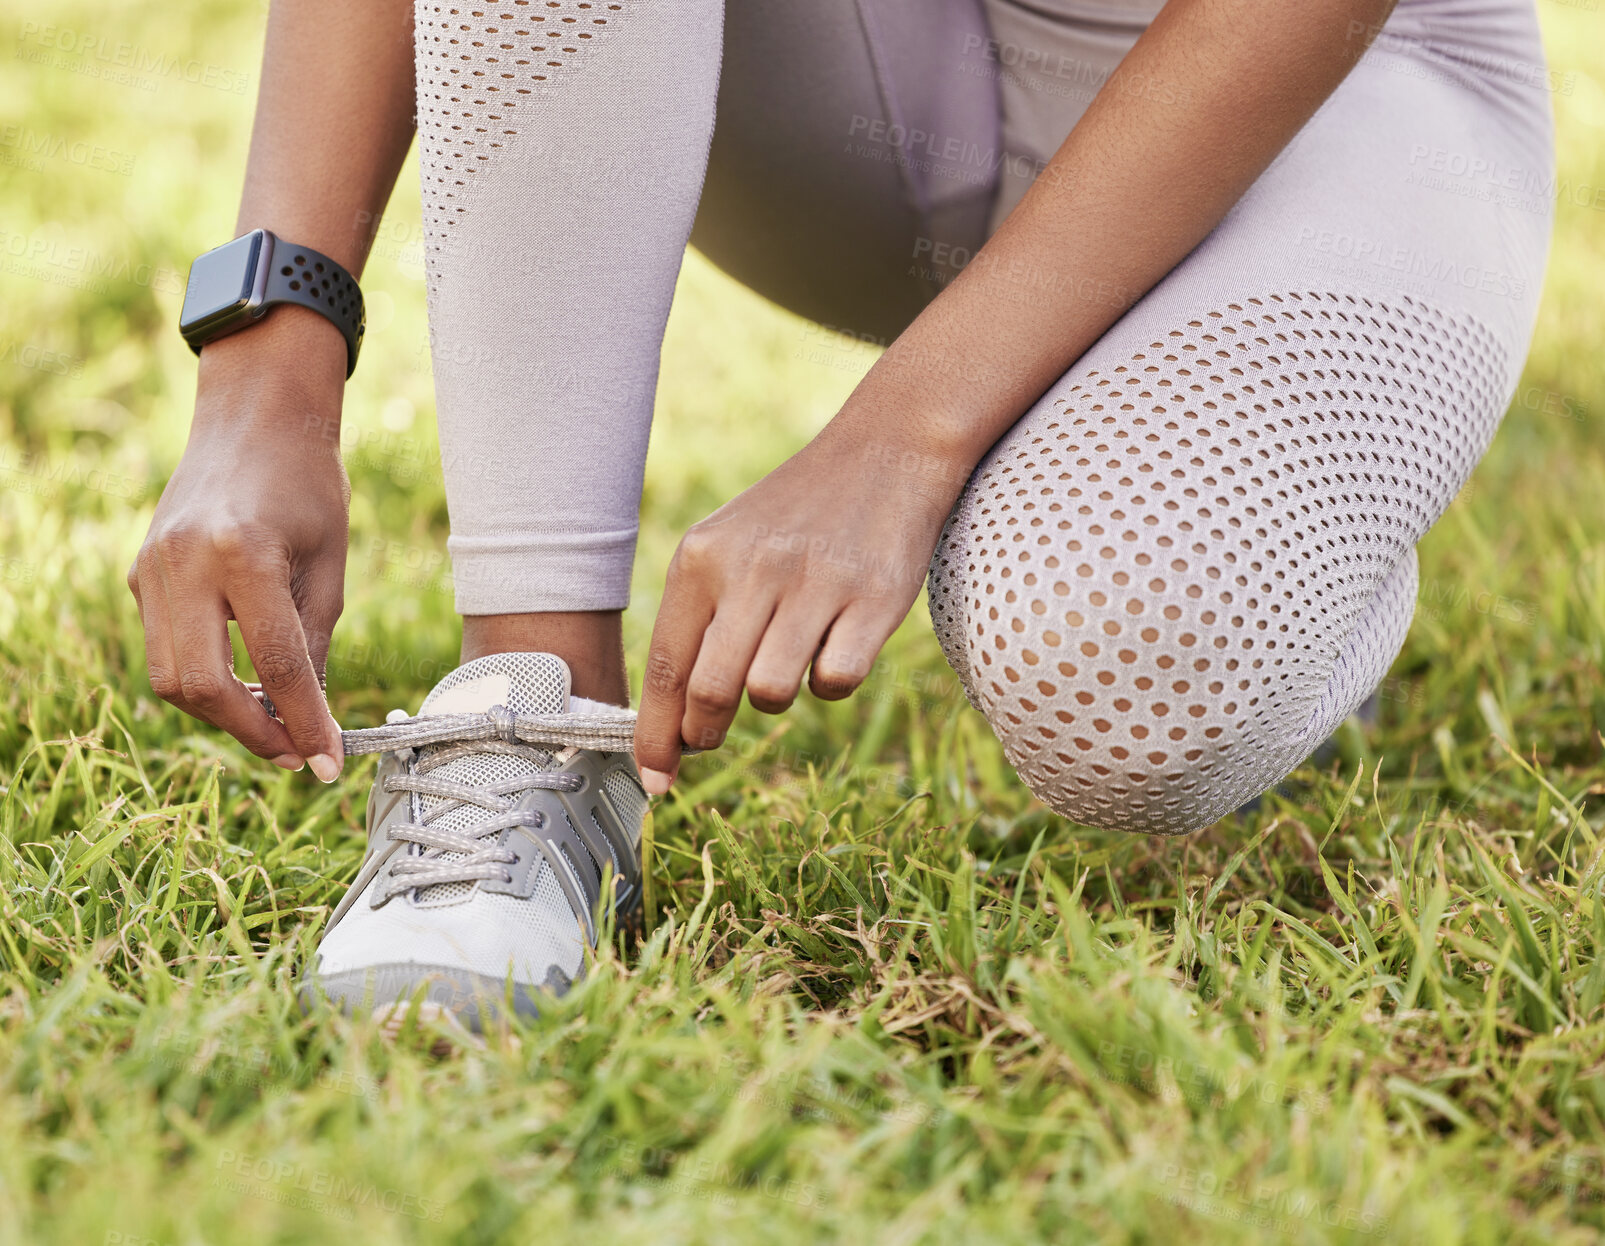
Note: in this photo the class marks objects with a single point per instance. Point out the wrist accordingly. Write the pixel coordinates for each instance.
(282, 379)
(898, 446)
(289, 348)
(294, 343)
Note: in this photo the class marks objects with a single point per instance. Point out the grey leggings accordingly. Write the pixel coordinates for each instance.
(1195, 554)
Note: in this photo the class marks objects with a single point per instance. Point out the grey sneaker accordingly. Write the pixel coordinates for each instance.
(494, 816)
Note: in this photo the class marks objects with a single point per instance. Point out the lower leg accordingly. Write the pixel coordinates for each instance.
(562, 149)
(590, 641)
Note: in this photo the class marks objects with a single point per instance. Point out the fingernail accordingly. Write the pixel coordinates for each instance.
(289, 761)
(655, 781)
(324, 766)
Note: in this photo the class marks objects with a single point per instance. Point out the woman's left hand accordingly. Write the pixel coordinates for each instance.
(816, 564)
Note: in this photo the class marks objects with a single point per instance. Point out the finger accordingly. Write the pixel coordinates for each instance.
(850, 649)
(683, 616)
(713, 694)
(160, 663)
(197, 620)
(320, 637)
(323, 601)
(789, 645)
(271, 625)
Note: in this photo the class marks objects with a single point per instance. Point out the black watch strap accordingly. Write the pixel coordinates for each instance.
(310, 278)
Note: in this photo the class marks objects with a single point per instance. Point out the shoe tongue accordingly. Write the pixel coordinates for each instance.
(526, 683)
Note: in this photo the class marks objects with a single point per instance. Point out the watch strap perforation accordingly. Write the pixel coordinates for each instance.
(307, 278)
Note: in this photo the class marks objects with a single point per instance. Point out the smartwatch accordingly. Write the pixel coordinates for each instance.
(232, 287)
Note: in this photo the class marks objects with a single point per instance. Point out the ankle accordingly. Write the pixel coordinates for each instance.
(590, 641)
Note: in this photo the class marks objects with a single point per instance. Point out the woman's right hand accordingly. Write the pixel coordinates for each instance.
(253, 527)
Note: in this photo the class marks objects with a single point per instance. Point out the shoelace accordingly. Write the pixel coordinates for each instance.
(497, 730)
(611, 733)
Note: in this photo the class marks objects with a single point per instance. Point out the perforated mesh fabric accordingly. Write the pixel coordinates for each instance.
(1172, 578)
(537, 683)
(534, 683)
(607, 840)
(628, 799)
(478, 66)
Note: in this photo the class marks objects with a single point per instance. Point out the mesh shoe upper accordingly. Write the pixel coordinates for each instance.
(476, 928)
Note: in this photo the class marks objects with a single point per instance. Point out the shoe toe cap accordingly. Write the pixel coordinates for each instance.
(474, 999)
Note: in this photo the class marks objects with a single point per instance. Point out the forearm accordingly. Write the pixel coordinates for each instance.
(334, 119)
(1139, 182)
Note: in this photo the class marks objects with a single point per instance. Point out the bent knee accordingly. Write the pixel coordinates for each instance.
(1157, 710)
(1187, 563)
(1109, 739)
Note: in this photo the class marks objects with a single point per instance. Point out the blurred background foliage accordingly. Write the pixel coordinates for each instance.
(158, 887)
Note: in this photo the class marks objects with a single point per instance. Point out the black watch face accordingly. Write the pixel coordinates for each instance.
(220, 281)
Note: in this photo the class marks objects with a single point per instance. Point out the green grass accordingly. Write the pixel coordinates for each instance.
(882, 994)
